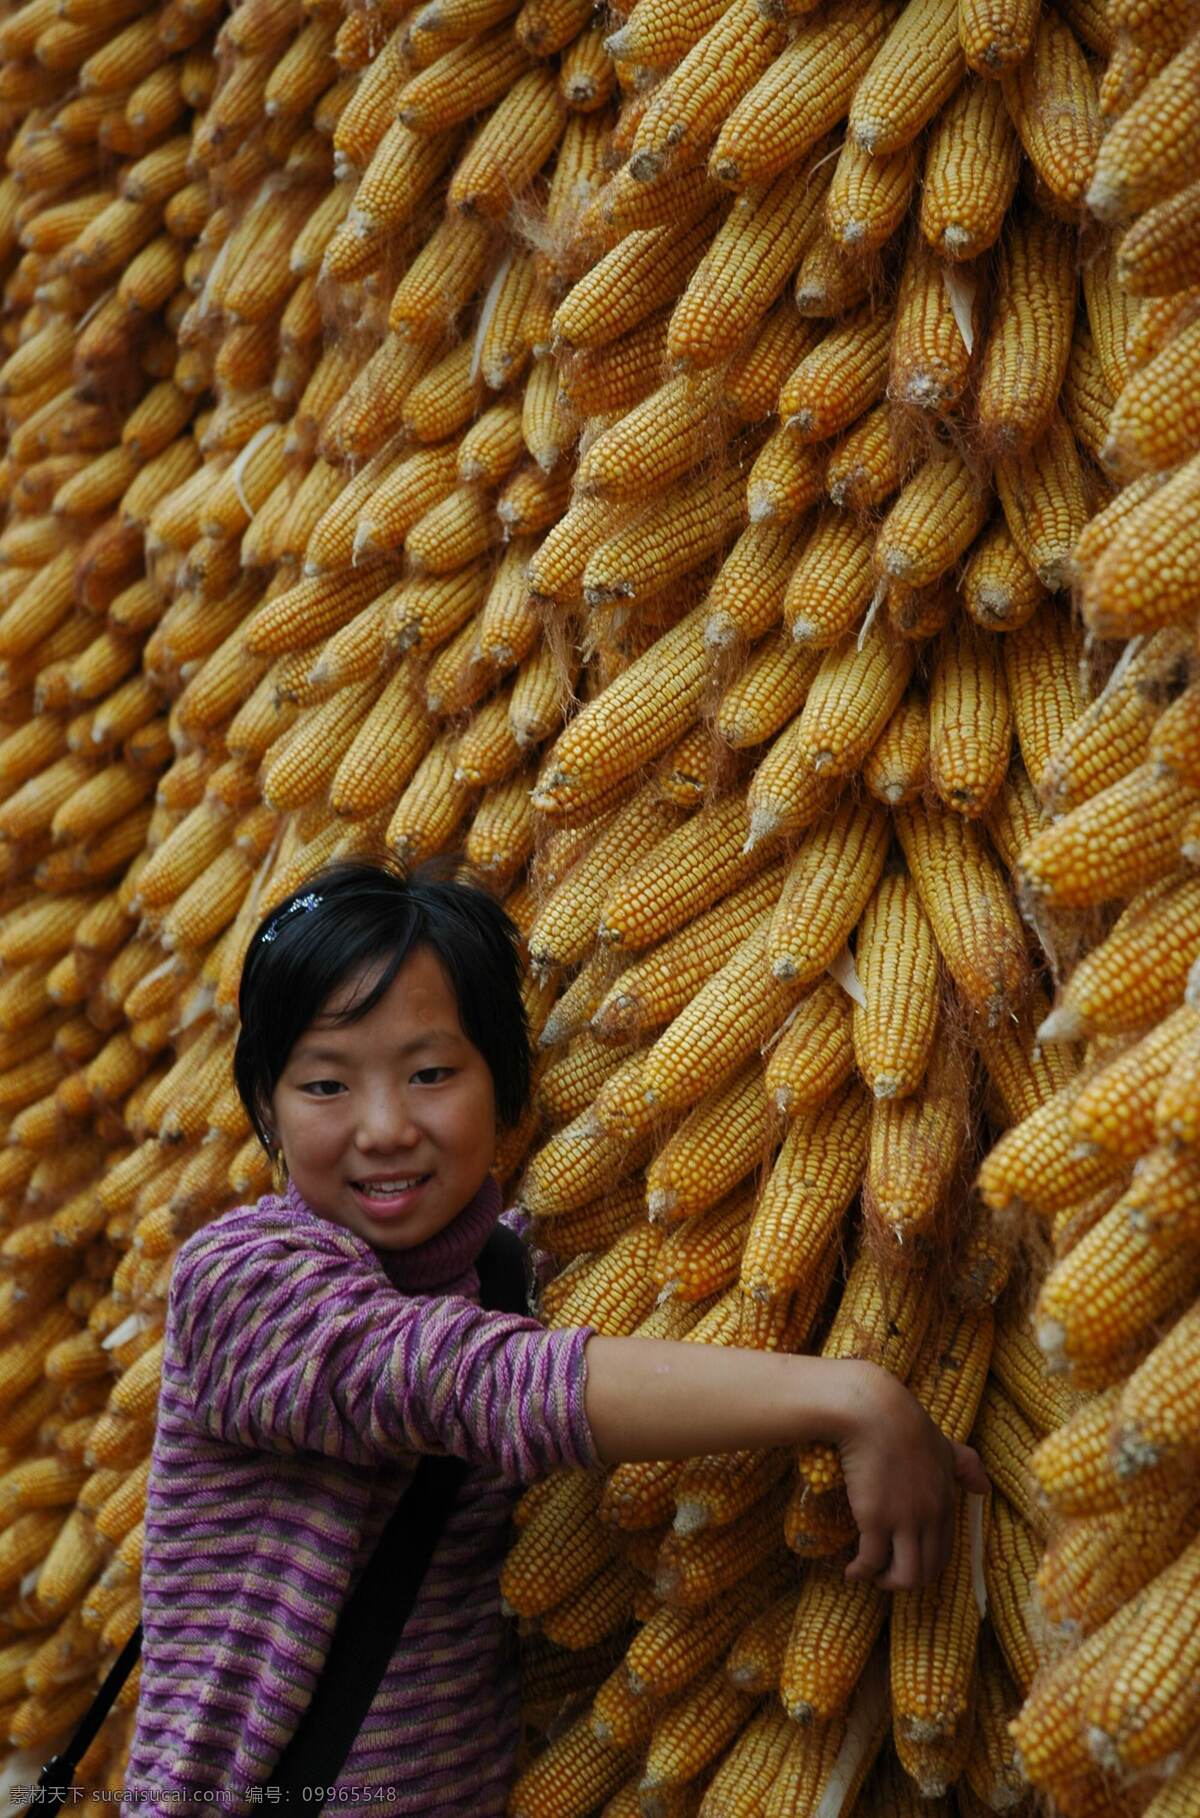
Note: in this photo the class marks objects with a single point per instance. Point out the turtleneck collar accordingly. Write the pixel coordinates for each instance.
(445, 1262)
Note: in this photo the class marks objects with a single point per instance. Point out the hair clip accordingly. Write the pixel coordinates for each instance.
(301, 903)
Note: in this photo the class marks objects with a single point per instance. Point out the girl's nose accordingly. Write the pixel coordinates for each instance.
(387, 1123)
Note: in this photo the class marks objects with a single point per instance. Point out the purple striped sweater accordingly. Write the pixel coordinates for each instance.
(303, 1373)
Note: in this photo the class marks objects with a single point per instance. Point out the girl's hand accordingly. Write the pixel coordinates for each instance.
(902, 1477)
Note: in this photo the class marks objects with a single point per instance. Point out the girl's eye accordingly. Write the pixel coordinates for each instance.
(322, 1088)
(429, 1076)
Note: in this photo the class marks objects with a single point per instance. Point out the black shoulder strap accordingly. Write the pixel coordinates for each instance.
(503, 1266)
(371, 1620)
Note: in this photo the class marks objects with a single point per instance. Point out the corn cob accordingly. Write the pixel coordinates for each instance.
(809, 924)
(1150, 151)
(815, 1052)
(698, 95)
(803, 94)
(963, 895)
(754, 251)
(814, 1177)
(930, 352)
(714, 1147)
(833, 1631)
(1042, 493)
(1036, 297)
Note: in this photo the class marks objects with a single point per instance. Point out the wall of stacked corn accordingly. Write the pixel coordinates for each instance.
(382, 382)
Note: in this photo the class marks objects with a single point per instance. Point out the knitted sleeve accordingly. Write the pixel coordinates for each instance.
(295, 1347)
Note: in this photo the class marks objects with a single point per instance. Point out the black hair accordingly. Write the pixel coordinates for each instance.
(371, 911)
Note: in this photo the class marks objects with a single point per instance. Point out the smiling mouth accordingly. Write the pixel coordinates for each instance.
(389, 1189)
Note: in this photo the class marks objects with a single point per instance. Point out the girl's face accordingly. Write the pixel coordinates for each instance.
(388, 1124)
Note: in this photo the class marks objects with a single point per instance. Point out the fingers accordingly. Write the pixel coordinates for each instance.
(904, 1573)
(935, 1551)
(968, 1468)
(874, 1551)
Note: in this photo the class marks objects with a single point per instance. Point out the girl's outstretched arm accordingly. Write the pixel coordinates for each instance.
(648, 1398)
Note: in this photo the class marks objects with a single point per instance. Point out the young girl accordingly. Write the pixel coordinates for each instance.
(318, 1342)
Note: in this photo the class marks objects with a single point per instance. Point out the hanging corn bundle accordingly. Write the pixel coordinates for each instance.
(654, 462)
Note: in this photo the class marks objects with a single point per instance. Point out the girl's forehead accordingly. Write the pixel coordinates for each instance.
(420, 992)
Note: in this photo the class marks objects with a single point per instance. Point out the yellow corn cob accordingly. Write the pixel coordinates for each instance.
(830, 280)
(833, 1631)
(1150, 152)
(932, 1642)
(916, 1143)
(1053, 103)
(656, 442)
(1151, 421)
(769, 691)
(1086, 398)
(576, 1759)
(386, 744)
(868, 197)
(938, 513)
(627, 285)
(727, 1020)
(843, 376)
(443, 401)
(1041, 665)
(548, 425)
(918, 68)
(896, 768)
(1000, 590)
(896, 960)
(853, 695)
(1163, 1198)
(1045, 504)
(1135, 1718)
(1142, 578)
(930, 353)
(1035, 305)
(569, 1084)
(752, 255)
(517, 323)
(918, 613)
(1160, 253)
(659, 984)
(700, 1259)
(564, 929)
(803, 94)
(693, 1733)
(491, 446)
(970, 724)
(510, 148)
(830, 585)
(691, 104)
(786, 479)
(619, 1717)
(1005, 1441)
(360, 419)
(870, 464)
(713, 1149)
(825, 892)
(1138, 973)
(815, 1176)
(1156, 1418)
(964, 896)
(815, 1052)
(431, 807)
(996, 33)
(1037, 1165)
(665, 539)
(1123, 838)
(695, 1569)
(1082, 1313)
(636, 717)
